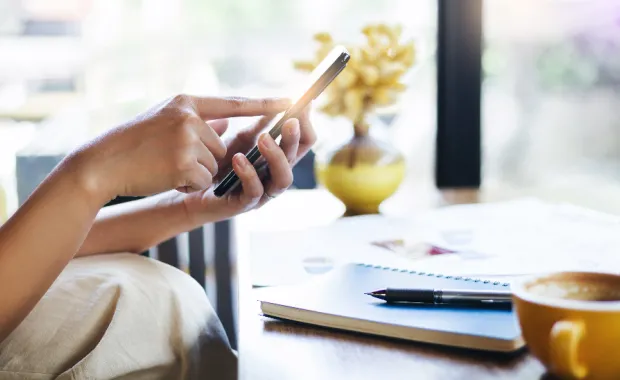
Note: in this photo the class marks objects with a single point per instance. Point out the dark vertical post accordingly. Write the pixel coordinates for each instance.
(223, 278)
(168, 252)
(197, 260)
(303, 172)
(459, 79)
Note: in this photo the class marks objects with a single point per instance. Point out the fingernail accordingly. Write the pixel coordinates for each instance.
(294, 128)
(267, 142)
(240, 160)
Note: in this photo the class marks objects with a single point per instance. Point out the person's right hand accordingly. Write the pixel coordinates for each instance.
(175, 145)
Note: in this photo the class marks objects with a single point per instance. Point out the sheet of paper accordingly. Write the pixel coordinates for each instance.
(520, 237)
(286, 257)
(494, 240)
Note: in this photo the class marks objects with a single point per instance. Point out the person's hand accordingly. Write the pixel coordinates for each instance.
(175, 145)
(297, 139)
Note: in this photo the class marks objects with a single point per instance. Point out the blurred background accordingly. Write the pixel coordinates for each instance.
(550, 106)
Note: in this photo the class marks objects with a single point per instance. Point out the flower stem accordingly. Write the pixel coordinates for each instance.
(360, 128)
(360, 133)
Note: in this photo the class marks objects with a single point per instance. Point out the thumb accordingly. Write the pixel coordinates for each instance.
(219, 126)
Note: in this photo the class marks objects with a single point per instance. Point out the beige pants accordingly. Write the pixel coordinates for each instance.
(120, 316)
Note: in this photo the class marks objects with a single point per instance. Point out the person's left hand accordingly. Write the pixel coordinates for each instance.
(297, 139)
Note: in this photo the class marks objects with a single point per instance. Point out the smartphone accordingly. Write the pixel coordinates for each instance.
(320, 78)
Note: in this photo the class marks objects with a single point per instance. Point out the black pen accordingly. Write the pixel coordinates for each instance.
(444, 296)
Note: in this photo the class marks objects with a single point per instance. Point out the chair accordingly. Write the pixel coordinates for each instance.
(211, 246)
(208, 250)
(204, 248)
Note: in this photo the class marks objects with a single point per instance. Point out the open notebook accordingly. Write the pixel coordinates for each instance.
(337, 300)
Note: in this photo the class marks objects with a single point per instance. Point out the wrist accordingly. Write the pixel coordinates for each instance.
(197, 213)
(80, 169)
(188, 204)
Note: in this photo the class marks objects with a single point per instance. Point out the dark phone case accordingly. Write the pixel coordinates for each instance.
(231, 180)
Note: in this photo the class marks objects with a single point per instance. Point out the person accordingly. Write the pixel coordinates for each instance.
(77, 301)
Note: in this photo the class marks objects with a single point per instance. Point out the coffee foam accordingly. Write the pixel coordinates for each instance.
(578, 286)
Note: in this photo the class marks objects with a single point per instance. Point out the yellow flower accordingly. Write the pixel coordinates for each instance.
(372, 77)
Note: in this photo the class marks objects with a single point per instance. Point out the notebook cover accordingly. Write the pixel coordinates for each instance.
(337, 300)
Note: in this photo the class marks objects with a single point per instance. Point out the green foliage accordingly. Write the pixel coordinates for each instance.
(564, 66)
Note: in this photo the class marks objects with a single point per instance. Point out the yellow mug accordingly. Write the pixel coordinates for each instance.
(571, 322)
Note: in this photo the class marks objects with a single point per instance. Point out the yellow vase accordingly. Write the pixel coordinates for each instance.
(362, 173)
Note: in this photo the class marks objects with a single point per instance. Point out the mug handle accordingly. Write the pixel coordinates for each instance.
(564, 340)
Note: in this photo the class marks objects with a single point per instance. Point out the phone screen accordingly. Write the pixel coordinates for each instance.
(319, 79)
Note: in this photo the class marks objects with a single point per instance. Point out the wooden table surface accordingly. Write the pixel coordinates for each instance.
(272, 349)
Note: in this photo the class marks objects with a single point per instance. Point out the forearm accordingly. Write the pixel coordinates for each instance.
(138, 225)
(38, 241)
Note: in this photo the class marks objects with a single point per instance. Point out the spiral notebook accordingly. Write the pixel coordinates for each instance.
(337, 300)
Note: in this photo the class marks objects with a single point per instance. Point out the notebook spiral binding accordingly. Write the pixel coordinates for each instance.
(438, 275)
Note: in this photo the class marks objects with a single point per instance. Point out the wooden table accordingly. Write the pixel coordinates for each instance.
(272, 349)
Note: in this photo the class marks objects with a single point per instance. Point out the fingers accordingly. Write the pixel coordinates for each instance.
(206, 159)
(252, 186)
(307, 136)
(201, 179)
(217, 108)
(279, 167)
(198, 179)
(219, 126)
(290, 140)
(210, 138)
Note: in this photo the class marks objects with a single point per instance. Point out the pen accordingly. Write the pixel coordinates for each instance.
(444, 296)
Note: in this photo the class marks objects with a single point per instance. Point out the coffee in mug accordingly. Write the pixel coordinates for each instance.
(571, 322)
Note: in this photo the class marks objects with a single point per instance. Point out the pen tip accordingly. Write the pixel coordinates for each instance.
(376, 292)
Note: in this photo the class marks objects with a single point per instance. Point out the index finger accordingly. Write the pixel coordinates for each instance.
(221, 107)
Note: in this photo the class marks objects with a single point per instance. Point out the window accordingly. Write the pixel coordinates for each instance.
(551, 100)
(96, 63)
(143, 51)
